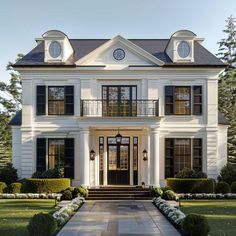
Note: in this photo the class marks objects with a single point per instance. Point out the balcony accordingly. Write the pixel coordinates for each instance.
(119, 108)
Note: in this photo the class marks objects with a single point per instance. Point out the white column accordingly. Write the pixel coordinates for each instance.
(84, 157)
(155, 159)
(105, 162)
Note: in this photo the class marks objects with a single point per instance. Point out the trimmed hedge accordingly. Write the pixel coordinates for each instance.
(191, 185)
(46, 185)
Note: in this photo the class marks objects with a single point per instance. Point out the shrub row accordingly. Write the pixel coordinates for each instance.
(31, 196)
(13, 188)
(206, 196)
(191, 185)
(73, 192)
(46, 185)
(64, 214)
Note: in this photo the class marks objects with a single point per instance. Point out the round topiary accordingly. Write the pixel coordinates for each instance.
(16, 187)
(156, 192)
(222, 187)
(233, 187)
(166, 188)
(3, 187)
(67, 195)
(196, 225)
(42, 224)
(168, 195)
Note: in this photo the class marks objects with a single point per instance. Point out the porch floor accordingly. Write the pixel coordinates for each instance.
(110, 218)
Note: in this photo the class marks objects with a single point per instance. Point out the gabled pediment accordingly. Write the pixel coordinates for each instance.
(128, 54)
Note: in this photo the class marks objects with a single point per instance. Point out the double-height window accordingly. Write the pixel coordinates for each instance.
(183, 100)
(180, 153)
(60, 100)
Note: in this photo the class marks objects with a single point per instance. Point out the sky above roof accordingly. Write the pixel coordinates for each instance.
(23, 21)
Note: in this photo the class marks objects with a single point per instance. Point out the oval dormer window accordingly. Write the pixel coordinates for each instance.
(183, 49)
(55, 49)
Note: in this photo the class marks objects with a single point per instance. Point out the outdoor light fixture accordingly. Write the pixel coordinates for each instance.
(118, 137)
(92, 155)
(145, 157)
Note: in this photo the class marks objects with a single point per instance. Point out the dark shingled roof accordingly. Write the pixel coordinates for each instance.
(222, 120)
(17, 119)
(156, 47)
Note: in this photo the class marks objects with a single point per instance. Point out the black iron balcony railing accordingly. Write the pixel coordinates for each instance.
(119, 108)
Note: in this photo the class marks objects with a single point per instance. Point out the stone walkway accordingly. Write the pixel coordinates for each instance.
(109, 218)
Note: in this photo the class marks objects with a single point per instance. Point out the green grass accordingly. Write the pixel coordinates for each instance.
(16, 213)
(221, 214)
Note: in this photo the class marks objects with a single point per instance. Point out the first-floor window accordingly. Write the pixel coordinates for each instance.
(180, 153)
(56, 153)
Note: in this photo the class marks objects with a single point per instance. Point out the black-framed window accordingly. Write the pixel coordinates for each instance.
(135, 160)
(119, 100)
(58, 152)
(56, 100)
(101, 159)
(183, 100)
(60, 100)
(180, 153)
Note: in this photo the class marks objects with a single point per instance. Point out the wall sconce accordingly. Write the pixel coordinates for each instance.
(145, 157)
(92, 155)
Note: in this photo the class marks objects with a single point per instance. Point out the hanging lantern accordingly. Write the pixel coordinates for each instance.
(118, 138)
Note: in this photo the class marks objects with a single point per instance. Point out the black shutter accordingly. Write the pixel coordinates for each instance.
(169, 100)
(169, 157)
(41, 154)
(197, 154)
(69, 158)
(69, 100)
(41, 100)
(197, 100)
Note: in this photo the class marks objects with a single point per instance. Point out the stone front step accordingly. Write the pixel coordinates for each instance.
(119, 193)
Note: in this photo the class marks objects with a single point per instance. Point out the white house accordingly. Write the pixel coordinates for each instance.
(119, 111)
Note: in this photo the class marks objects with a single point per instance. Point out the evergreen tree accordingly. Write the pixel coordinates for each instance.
(10, 103)
(227, 84)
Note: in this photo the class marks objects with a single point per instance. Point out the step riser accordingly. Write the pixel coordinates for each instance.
(112, 193)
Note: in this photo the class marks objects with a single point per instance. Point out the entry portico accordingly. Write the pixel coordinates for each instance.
(119, 163)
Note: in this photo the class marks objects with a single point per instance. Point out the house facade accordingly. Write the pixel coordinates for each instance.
(119, 111)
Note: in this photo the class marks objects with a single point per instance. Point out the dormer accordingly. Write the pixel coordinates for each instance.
(57, 47)
(180, 47)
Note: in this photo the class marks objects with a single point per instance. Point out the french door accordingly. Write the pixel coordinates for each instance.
(118, 161)
(119, 100)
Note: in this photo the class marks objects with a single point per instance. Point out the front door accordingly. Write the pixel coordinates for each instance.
(118, 161)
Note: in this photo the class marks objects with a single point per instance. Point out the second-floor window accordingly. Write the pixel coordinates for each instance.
(183, 100)
(60, 100)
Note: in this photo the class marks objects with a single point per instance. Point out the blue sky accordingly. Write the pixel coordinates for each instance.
(23, 20)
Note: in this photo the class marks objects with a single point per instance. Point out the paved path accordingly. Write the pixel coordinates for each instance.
(110, 218)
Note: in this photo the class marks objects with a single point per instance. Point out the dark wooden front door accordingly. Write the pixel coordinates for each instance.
(118, 161)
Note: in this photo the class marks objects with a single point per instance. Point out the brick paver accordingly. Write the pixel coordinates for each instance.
(109, 218)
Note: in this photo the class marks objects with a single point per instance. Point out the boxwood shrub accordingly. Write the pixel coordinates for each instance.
(16, 187)
(233, 187)
(222, 187)
(3, 187)
(191, 185)
(46, 185)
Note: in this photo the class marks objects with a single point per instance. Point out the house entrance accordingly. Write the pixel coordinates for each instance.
(118, 161)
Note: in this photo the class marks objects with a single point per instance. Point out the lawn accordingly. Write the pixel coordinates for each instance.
(16, 213)
(220, 213)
